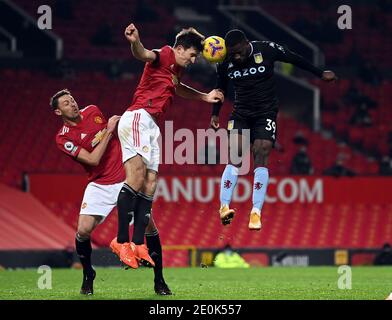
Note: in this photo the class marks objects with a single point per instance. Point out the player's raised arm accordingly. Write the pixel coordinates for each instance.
(215, 96)
(285, 55)
(187, 92)
(93, 158)
(138, 51)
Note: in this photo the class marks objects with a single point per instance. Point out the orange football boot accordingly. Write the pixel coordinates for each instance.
(141, 253)
(125, 253)
(115, 246)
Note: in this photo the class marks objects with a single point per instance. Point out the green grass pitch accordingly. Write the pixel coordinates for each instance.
(268, 283)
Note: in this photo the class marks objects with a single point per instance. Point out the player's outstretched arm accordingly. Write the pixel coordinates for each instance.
(187, 92)
(285, 55)
(94, 158)
(138, 51)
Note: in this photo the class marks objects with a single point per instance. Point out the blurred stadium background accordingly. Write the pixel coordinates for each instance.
(329, 198)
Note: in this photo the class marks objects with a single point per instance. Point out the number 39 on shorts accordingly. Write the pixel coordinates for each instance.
(271, 125)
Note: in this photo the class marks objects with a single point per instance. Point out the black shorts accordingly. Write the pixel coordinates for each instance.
(263, 128)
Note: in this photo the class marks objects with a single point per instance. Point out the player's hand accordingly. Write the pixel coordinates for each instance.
(214, 122)
(132, 34)
(214, 96)
(112, 123)
(329, 76)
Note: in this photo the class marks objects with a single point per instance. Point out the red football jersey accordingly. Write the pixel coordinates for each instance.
(158, 83)
(87, 135)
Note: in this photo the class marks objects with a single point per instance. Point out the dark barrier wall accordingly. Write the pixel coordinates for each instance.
(204, 257)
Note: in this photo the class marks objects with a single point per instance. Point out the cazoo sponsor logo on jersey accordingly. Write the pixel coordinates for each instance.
(245, 72)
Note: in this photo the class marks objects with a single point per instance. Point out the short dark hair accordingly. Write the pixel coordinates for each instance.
(189, 38)
(54, 101)
(234, 37)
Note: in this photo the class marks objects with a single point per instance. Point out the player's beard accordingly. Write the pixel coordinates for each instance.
(75, 114)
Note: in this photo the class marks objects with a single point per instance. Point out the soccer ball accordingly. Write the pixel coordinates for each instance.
(214, 49)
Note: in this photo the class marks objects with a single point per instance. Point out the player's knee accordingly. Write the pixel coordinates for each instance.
(136, 183)
(84, 232)
(262, 149)
(150, 186)
(135, 173)
(85, 228)
(136, 179)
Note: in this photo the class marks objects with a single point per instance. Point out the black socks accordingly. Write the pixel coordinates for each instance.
(126, 204)
(142, 217)
(155, 252)
(84, 249)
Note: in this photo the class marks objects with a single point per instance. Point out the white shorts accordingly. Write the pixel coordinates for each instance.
(139, 134)
(100, 199)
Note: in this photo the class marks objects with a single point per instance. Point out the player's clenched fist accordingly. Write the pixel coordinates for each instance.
(112, 123)
(329, 76)
(214, 96)
(131, 33)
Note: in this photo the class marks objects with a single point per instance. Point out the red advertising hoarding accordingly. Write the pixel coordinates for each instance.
(288, 189)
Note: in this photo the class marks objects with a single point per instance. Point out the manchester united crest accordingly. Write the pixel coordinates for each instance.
(98, 119)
